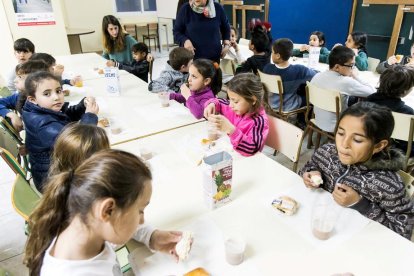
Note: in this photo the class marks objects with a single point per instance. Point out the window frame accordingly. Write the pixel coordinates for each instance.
(133, 13)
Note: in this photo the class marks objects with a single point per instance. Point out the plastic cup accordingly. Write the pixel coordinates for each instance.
(399, 58)
(234, 249)
(79, 81)
(164, 98)
(305, 58)
(115, 126)
(212, 132)
(324, 216)
(145, 153)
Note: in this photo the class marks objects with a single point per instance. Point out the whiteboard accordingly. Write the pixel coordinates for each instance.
(167, 8)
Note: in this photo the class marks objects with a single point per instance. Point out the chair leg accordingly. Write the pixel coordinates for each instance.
(318, 141)
(295, 166)
(275, 153)
(310, 144)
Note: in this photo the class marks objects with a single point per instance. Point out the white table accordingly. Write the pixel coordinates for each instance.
(274, 247)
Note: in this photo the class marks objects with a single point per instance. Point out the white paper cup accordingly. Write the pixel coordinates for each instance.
(234, 249)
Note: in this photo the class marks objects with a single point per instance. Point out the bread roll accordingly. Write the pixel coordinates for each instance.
(183, 247)
(286, 205)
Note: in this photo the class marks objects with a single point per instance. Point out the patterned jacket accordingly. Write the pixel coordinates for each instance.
(383, 193)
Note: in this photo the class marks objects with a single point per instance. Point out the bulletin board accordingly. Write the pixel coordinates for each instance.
(167, 8)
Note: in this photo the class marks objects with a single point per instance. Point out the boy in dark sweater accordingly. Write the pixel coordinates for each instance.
(140, 66)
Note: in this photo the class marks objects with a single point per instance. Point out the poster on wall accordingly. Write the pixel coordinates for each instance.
(34, 12)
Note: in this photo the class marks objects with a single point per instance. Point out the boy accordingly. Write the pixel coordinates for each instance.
(259, 46)
(15, 102)
(294, 76)
(23, 50)
(340, 76)
(140, 66)
(175, 73)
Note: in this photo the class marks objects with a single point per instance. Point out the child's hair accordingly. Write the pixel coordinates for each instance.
(283, 47)
(396, 80)
(26, 68)
(248, 86)
(112, 45)
(76, 143)
(33, 80)
(140, 47)
(210, 69)
(235, 30)
(378, 120)
(24, 45)
(180, 56)
(360, 39)
(45, 57)
(340, 55)
(259, 39)
(321, 37)
(107, 174)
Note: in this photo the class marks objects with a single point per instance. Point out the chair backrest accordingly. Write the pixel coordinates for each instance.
(151, 65)
(24, 198)
(5, 125)
(325, 99)
(403, 130)
(372, 64)
(227, 66)
(152, 28)
(408, 181)
(9, 142)
(12, 162)
(243, 41)
(131, 29)
(272, 83)
(285, 138)
(4, 92)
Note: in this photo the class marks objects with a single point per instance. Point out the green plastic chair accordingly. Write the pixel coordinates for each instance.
(5, 92)
(12, 163)
(24, 197)
(4, 272)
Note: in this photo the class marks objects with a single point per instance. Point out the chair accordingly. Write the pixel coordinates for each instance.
(243, 41)
(285, 138)
(131, 29)
(151, 66)
(327, 100)
(408, 182)
(4, 92)
(403, 130)
(152, 33)
(227, 66)
(24, 198)
(273, 84)
(372, 64)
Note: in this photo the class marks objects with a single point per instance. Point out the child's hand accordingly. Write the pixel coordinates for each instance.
(304, 48)
(75, 80)
(337, 44)
(345, 195)
(110, 63)
(91, 105)
(222, 123)
(234, 45)
(355, 51)
(165, 241)
(185, 91)
(58, 69)
(225, 48)
(150, 57)
(210, 109)
(392, 60)
(189, 45)
(307, 179)
(16, 121)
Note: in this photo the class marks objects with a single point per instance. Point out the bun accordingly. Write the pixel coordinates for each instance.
(285, 205)
(317, 180)
(197, 272)
(183, 247)
(104, 122)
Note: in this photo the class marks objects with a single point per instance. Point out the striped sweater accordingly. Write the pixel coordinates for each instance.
(251, 129)
(383, 193)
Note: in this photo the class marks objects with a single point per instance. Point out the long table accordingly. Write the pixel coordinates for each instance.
(276, 244)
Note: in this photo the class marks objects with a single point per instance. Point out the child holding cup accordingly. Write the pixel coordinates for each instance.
(396, 59)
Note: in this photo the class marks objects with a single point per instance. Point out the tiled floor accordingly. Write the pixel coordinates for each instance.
(12, 235)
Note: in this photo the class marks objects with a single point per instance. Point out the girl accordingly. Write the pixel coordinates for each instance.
(84, 210)
(243, 118)
(407, 60)
(357, 41)
(45, 114)
(204, 82)
(9, 105)
(361, 169)
(316, 39)
(116, 43)
(234, 52)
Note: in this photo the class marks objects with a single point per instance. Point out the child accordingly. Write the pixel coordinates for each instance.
(44, 115)
(12, 105)
(393, 60)
(99, 203)
(234, 52)
(357, 41)
(361, 169)
(205, 82)
(258, 45)
(294, 76)
(23, 50)
(340, 77)
(175, 72)
(140, 66)
(316, 39)
(243, 118)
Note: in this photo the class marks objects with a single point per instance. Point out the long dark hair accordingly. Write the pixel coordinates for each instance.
(210, 69)
(112, 45)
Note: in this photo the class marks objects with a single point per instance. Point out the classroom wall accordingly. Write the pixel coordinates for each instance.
(49, 38)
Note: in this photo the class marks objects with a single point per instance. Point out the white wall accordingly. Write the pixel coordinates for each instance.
(51, 39)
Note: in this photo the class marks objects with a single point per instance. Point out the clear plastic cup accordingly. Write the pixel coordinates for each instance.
(305, 58)
(164, 98)
(324, 217)
(235, 247)
(115, 126)
(399, 58)
(212, 132)
(78, 81)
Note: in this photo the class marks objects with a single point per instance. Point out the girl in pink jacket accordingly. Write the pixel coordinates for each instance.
(243, 118)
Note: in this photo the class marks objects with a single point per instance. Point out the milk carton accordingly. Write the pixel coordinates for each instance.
(113, 85)
(217, 179)
(314, 56)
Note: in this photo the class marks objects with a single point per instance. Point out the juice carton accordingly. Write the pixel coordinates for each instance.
(314, 56)
(217, 179)
(113, 86)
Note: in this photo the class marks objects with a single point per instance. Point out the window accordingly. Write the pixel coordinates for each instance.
(132, 6)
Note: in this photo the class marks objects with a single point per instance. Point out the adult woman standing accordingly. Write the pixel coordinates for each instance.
(200, 26)
(116, 43)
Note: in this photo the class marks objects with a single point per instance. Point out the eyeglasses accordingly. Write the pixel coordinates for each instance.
(352, 66)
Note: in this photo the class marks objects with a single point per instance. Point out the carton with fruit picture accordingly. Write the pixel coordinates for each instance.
(217, 179)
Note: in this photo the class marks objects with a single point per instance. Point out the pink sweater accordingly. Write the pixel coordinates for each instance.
(251, 129)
